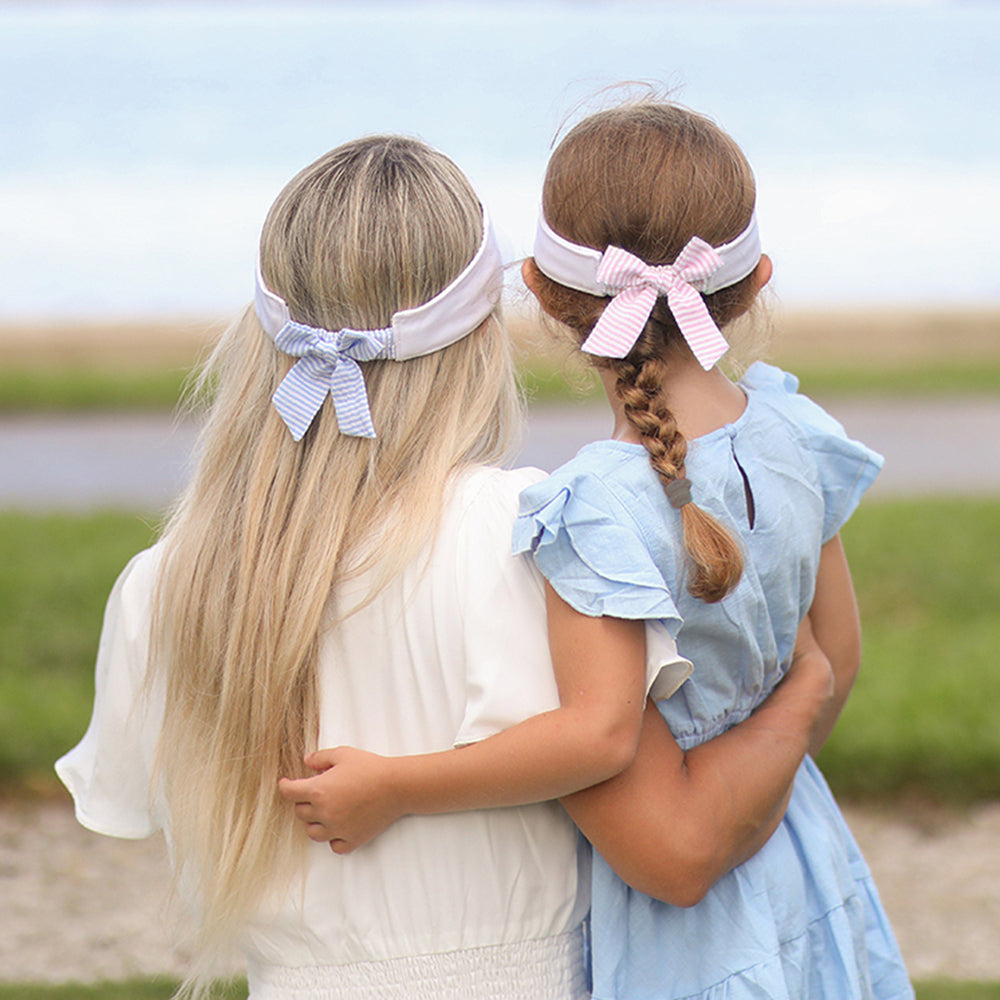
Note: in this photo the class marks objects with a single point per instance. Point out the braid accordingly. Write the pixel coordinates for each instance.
(647, 176)
(713, 554)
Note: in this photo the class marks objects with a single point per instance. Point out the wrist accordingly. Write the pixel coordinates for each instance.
(395, 787)
(799, 703)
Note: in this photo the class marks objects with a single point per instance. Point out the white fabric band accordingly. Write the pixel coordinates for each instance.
(329, 359)
(576, 266)
(448, 317)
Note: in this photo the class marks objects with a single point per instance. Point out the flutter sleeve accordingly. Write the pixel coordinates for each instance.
(108, 772)
(587, 544)
(845, 468)
(502, 599)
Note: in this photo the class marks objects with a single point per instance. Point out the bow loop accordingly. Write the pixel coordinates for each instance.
(328, 363)
(637, 285)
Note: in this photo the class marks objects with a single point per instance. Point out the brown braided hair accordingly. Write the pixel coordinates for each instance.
(647, 176)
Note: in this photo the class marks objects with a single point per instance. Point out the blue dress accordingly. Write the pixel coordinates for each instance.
(801, 920)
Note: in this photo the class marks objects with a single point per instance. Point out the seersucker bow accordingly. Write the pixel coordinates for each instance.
(637, 285)
(328, 363)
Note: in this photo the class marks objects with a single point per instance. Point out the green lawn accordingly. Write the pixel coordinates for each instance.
(55, 389)
(547, 382)
(55, 575)
(924, 718)
(74, 390)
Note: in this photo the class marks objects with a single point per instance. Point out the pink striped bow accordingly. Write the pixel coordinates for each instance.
(637, 286)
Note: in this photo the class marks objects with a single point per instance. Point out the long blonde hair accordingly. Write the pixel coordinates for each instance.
(647, 176)
(269, 527)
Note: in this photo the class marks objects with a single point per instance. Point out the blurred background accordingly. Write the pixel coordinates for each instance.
(145, 141)
(142, 143)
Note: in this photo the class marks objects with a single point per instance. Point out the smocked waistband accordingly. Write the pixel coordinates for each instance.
(544, 969)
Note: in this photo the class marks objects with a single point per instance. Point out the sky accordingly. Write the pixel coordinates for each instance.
(144, 141)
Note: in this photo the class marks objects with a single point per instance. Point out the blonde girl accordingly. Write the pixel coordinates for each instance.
(712, 514)
(339, 570)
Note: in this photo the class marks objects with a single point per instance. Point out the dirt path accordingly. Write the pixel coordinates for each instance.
(78, 906)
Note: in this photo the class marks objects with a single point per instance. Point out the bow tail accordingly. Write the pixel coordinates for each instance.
(350, 399)
(696, 323)
(299, 397)
(621, 323)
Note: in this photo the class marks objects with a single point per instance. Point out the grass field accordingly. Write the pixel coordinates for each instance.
(55, 574)
(924, 719)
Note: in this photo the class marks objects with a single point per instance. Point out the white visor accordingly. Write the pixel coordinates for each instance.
(452, 314)
(576, 266)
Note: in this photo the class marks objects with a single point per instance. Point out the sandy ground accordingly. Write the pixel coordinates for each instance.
(82, 907)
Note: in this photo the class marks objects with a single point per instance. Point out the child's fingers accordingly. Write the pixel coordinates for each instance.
(341, 847)
(317, 832)
(294, 789)
(321, 760)
(304, 811)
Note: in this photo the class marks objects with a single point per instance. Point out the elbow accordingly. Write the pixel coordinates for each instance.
(699, 873)
(616, 744)
(681, 887)
(621, 752)
(686, 885)
(682, 871)
(689, 894)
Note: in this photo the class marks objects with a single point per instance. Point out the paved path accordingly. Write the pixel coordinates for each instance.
(140, 461)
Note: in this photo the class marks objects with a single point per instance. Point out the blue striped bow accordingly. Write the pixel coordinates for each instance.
(328, 363)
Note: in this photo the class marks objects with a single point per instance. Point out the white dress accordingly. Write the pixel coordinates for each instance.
(485, 904)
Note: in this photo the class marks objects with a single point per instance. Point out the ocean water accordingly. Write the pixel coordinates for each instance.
(143, 142)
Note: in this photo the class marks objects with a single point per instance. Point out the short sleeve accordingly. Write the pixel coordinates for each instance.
(108, 772)
(502, 613)
(588, 545)
(502, 597)
(846, 468)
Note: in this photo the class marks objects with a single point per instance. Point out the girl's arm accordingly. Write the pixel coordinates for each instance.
(673, 823)
(600, 674)
(837, 627)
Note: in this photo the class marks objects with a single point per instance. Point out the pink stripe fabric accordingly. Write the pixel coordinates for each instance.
(637, 286)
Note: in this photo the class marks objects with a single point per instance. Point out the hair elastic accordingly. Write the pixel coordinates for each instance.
(329, 358)
(678, 492)
(635, 286)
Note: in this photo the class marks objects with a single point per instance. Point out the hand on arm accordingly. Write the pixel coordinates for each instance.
(600, 673)
(674, 822)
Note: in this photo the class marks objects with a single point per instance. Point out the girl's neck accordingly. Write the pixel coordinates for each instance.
(701, 401)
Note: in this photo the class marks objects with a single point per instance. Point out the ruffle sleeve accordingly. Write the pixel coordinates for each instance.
(846, 468)
(108, 772)
(502, 600)
(589, 547)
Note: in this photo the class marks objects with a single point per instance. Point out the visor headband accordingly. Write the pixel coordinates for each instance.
(635, 286)
(329, 358)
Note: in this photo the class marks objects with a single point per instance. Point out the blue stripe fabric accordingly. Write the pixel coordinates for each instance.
(328, 364)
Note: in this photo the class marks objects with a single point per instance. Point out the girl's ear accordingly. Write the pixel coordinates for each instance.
(762, 272)
(529, 273)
